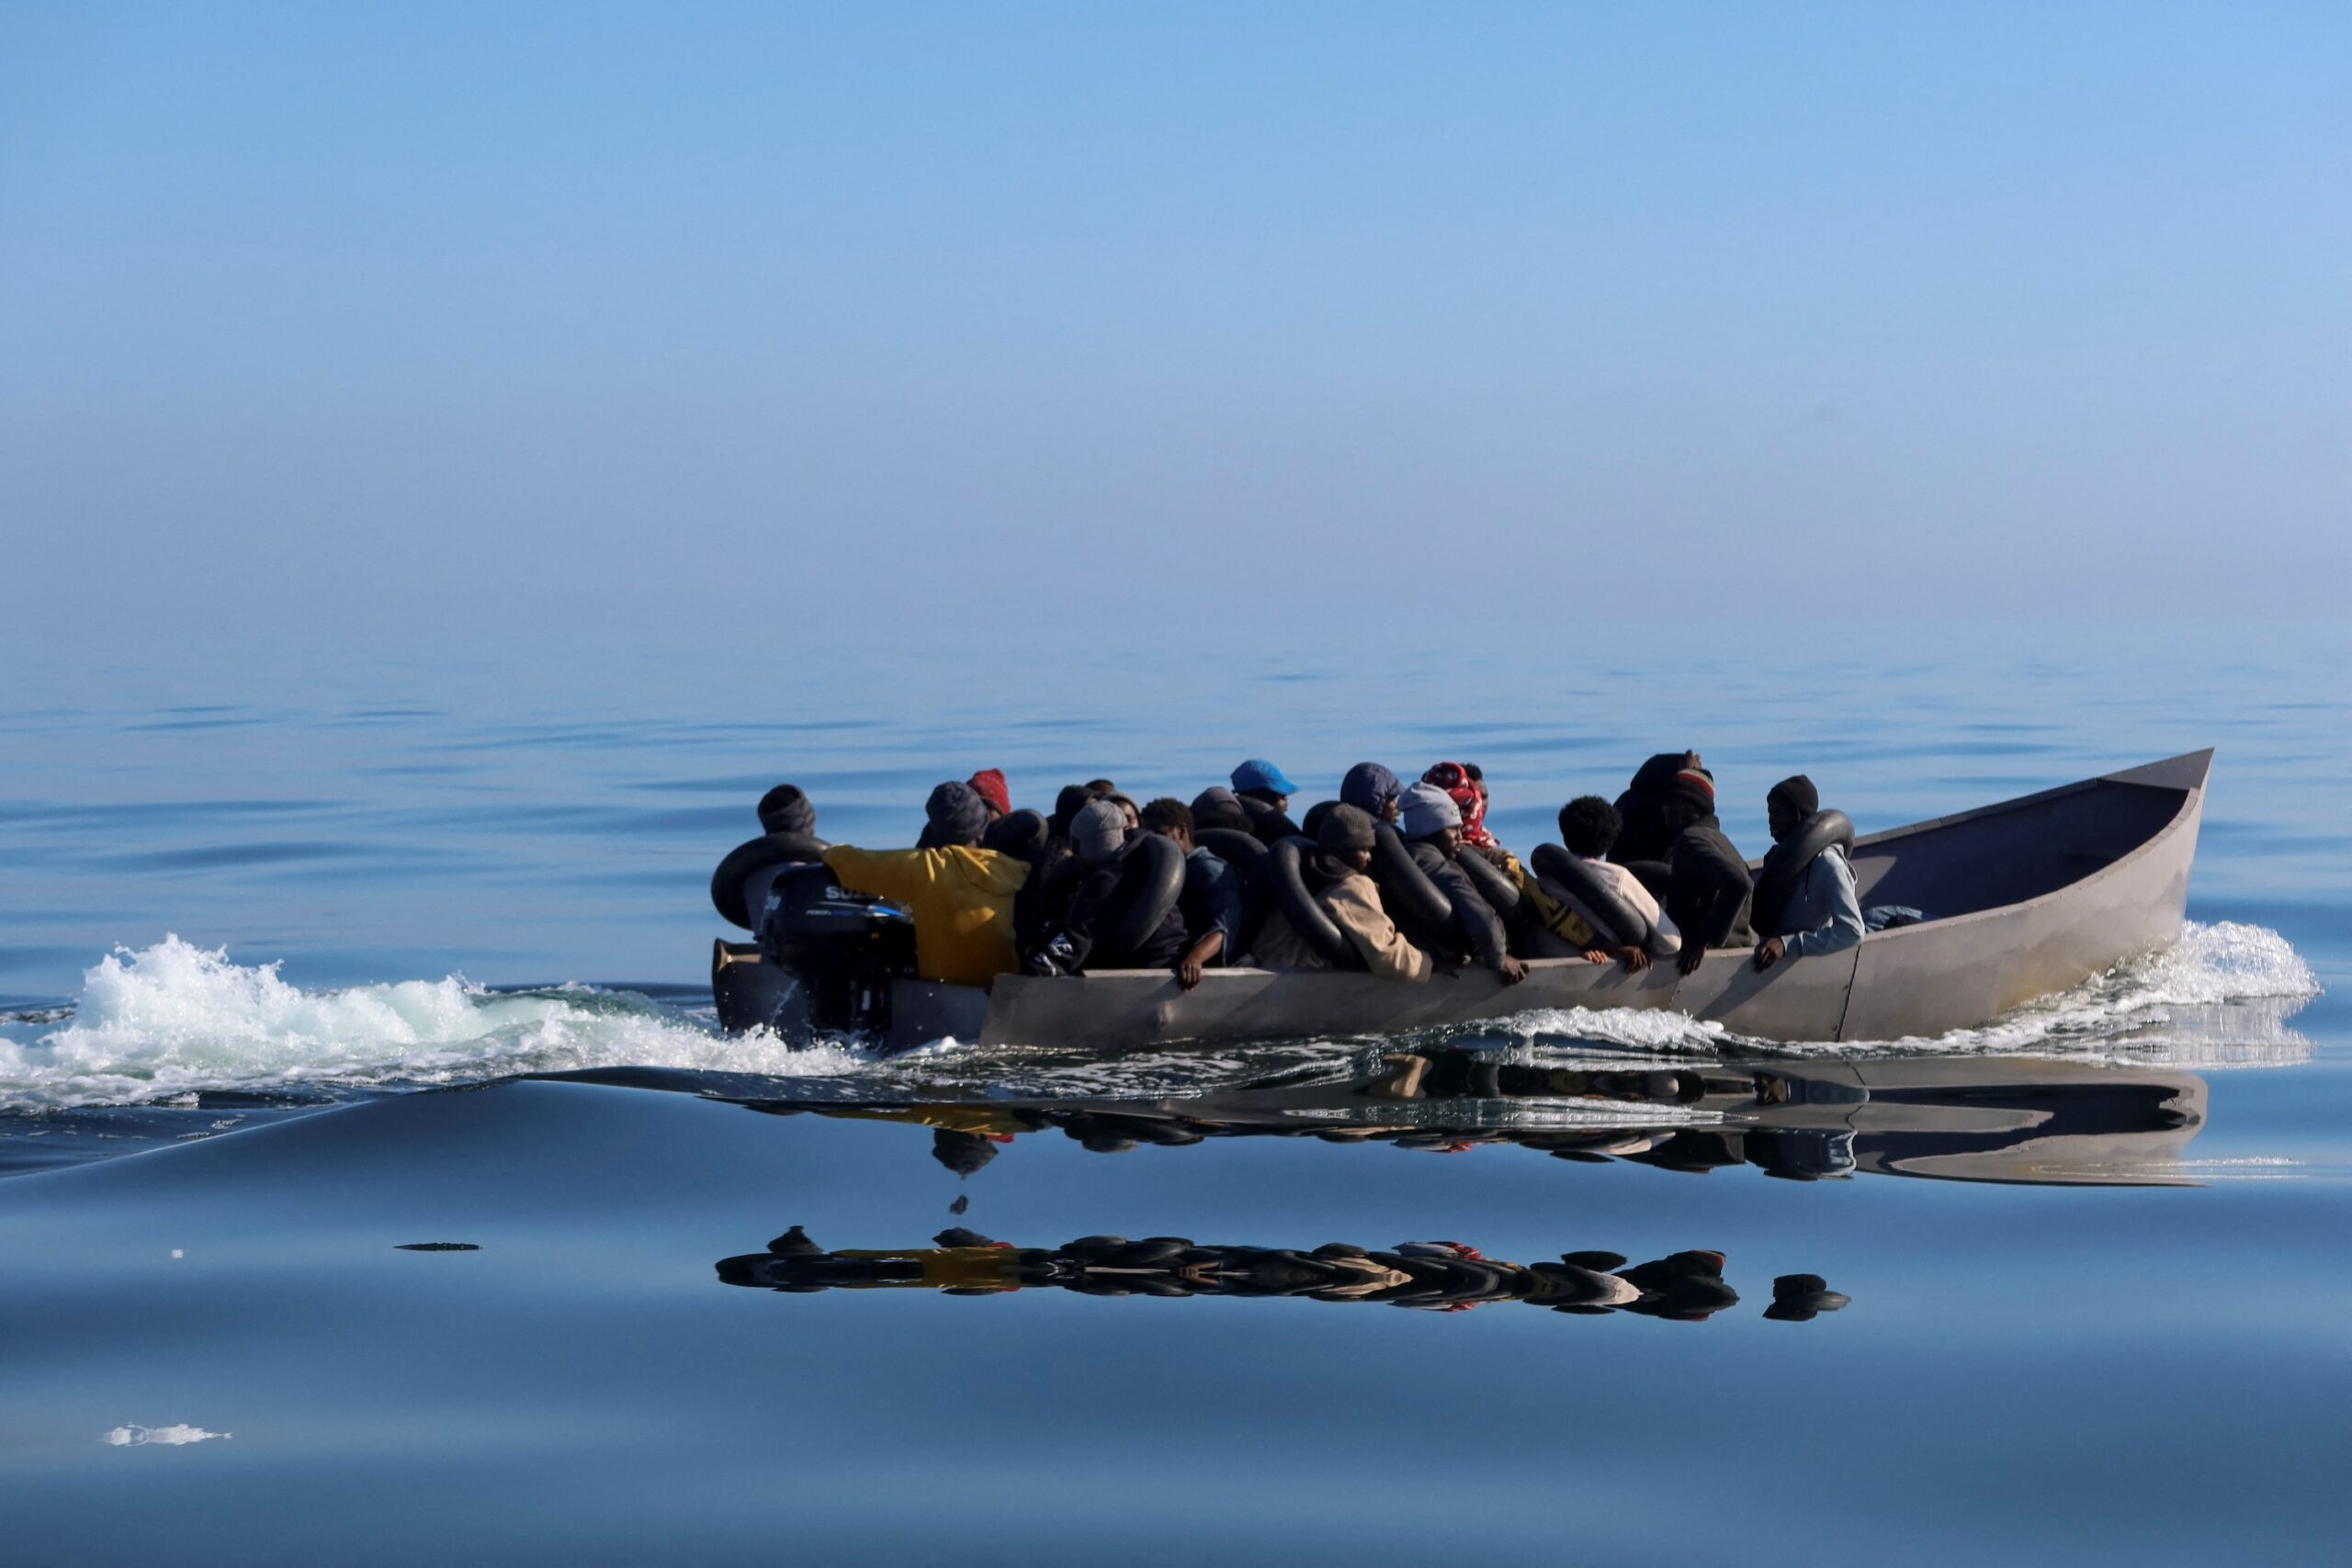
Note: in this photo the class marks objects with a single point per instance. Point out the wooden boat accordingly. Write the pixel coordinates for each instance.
(2026, 897)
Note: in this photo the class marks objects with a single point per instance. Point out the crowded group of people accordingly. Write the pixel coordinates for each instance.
(1408, 874)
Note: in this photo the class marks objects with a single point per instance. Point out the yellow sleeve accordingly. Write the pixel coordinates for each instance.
(885, 874)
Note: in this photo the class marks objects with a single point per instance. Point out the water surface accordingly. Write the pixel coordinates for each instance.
(379, 1189)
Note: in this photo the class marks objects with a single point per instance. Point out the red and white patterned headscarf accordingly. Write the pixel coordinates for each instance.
(1469, 794)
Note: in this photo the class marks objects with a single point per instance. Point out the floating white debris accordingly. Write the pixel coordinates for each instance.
(169, 1437)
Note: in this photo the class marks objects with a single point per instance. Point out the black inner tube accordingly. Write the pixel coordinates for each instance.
(1592, 895)
(757, 855)
(1269, 821)
(1251, 858)
(1151, 878)
(1790, 858)
(1307, 916)
(1494, 884)
(1243, 851)
(1412, 900)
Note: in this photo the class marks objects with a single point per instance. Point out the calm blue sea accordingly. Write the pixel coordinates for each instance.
(374, 1187)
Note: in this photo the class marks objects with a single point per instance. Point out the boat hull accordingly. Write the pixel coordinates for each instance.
(2086, 876)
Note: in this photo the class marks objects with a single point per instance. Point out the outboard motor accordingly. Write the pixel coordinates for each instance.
(846, 948)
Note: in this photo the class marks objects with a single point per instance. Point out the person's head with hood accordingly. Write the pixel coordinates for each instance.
(1260, 780)
(1217, 807)
(1689, 797)
(1344, 840)
(1655, 776)
(990, 786)
(1373, 790)
(786, 809)
(1790, 805)
(1428, 815)
(1465, 786)
(953, 816)
(1099, 831)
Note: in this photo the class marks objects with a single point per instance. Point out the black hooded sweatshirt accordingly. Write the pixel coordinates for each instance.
(1094, 885)
(1475, 920)
(1648, 809)
(1708, 887)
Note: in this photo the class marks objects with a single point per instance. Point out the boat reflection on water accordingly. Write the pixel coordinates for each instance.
(2021, 1119)
(1430, 1276)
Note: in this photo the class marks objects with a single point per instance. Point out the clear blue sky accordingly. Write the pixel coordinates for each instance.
(316, 315)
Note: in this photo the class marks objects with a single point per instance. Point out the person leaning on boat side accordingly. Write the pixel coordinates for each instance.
(1824, 914)
(1707, 884)
(1212, 904)
(1265, 790)
(1102, 840)
(1373, 790)
(1432, 828)
(1335, 876)
(1589, 827)
(960, 894)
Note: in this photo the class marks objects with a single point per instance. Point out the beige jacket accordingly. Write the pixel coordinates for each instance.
(1353, 904)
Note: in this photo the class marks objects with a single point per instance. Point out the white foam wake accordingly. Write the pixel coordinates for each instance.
(2220, 997)
(177, 1018)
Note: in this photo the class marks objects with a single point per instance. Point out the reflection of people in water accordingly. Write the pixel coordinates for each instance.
(964, 1153)
(1968, 1119)
(1433, 1275)
(1463, 1075)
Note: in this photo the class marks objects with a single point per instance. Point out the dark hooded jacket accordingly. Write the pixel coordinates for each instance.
(1475, 923)
(1042, 906)
(1708, 887)
(1648, 809)
(1157, 951)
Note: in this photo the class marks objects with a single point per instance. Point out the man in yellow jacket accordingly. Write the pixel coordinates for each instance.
(960, 894)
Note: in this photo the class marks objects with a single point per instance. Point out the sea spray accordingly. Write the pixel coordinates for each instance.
(2220, 996)
(175, 1018)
